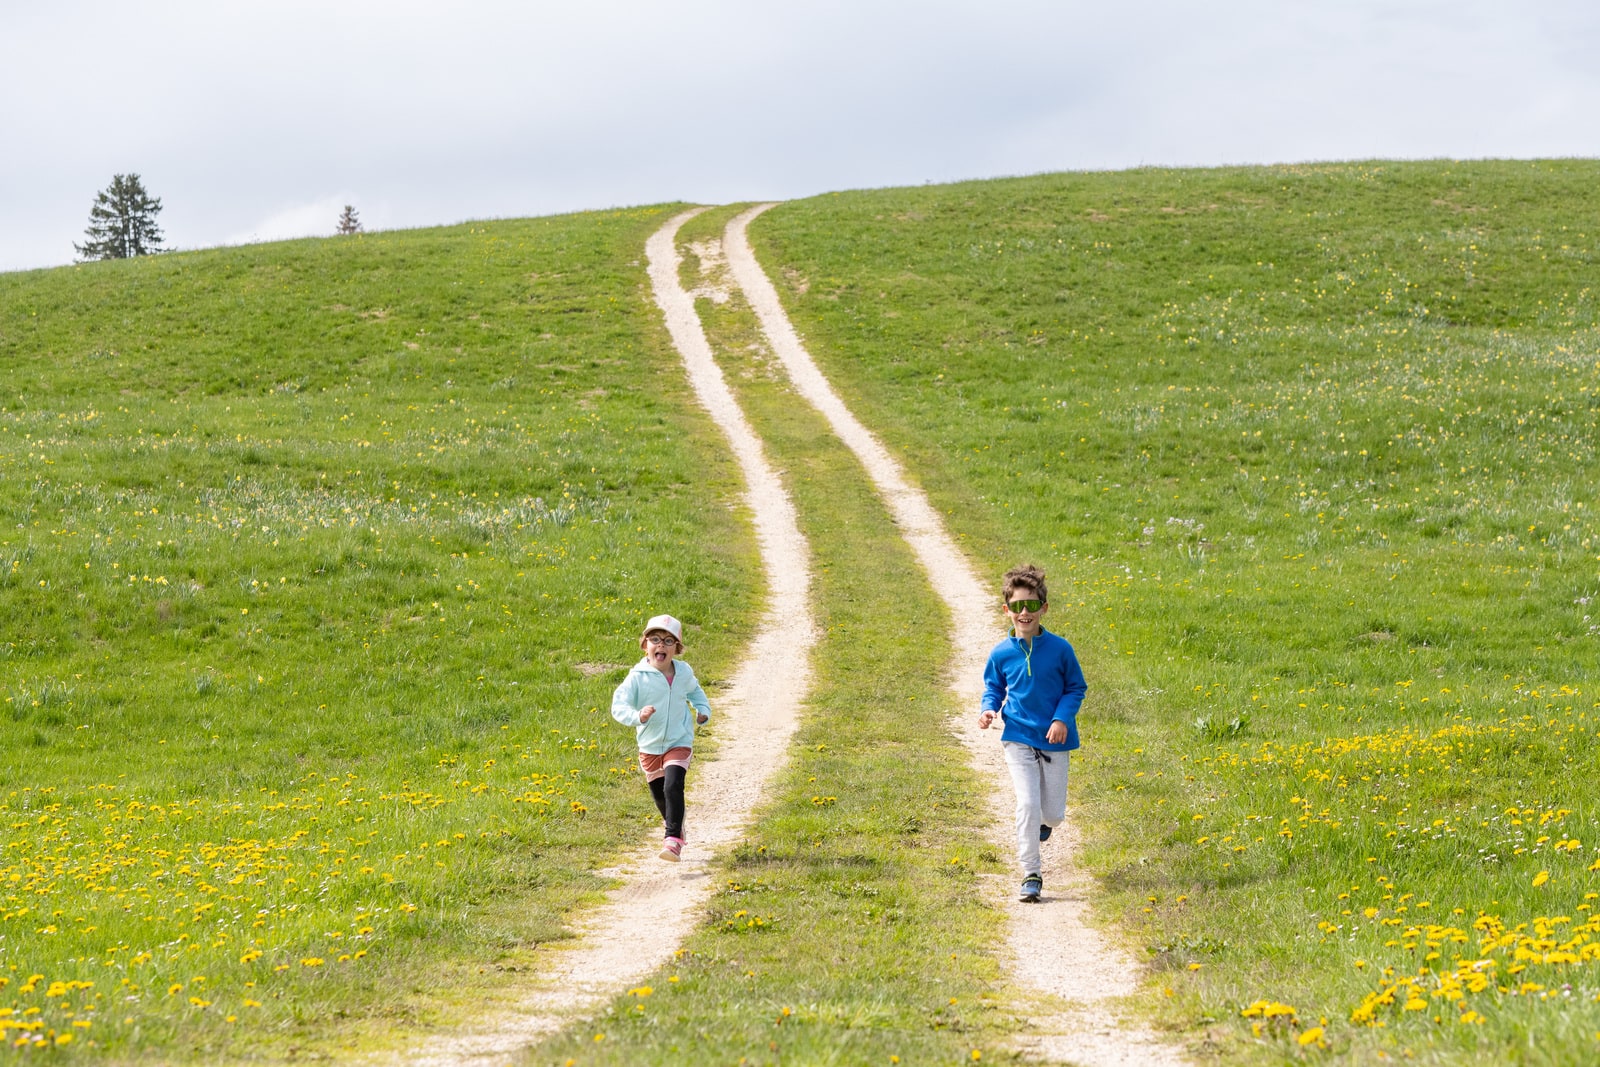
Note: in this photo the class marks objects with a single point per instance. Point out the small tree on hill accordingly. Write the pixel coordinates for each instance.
(349, 221)
(122, 222)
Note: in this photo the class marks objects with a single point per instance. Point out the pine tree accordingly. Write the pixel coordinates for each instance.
(122, 222)
(349, 221)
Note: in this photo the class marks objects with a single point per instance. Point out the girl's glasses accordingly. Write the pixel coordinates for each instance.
(1019, 606)
(656, 639)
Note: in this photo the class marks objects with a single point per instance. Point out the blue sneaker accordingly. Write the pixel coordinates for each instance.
(1032, 886)
(1044, 832)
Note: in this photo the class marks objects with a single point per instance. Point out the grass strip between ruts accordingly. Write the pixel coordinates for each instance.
(849, 926)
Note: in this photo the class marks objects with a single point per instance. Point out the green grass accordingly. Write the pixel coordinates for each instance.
(1308, 454)
(319, 561)
(850, 925)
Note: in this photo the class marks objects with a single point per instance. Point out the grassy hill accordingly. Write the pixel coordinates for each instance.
(1309, 455)
(317, 562)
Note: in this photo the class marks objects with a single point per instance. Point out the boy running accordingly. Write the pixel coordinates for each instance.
(1033, 683)
(655, 698)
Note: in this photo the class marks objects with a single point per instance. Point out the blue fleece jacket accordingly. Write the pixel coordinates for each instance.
(672, 725)
(1033, 684)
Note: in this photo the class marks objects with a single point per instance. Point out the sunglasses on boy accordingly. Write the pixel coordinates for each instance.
(1017, 607)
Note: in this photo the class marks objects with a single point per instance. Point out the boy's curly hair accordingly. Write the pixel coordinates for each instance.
(1026, 576)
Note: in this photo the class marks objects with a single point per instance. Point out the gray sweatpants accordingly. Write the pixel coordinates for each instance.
(1040, 780)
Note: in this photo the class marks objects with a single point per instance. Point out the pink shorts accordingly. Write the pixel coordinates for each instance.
(656, 766)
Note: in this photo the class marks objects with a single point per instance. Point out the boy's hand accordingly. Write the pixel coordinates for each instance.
(646, 711)
(702, 719)
(985, 719)
(1057, 732)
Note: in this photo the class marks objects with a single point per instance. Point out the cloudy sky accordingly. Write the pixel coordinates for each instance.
(258, 120)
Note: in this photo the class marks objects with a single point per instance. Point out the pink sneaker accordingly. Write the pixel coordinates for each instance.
(672, 849)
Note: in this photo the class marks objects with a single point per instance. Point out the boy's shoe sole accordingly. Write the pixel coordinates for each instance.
(1032, 886)
(1044, 832)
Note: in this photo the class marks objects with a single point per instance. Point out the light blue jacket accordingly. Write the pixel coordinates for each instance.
(672, 726)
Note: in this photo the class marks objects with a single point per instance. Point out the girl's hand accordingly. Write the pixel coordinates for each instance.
(702, 719)
(645, 712)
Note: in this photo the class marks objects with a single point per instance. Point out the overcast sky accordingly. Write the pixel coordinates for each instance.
(258, 120)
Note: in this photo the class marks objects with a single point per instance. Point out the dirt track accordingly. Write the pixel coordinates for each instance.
(1051, 949)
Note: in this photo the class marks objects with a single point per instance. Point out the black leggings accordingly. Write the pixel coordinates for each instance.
(668, 793)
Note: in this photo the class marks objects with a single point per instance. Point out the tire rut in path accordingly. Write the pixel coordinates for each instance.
(756, 717)
(1052, 949)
